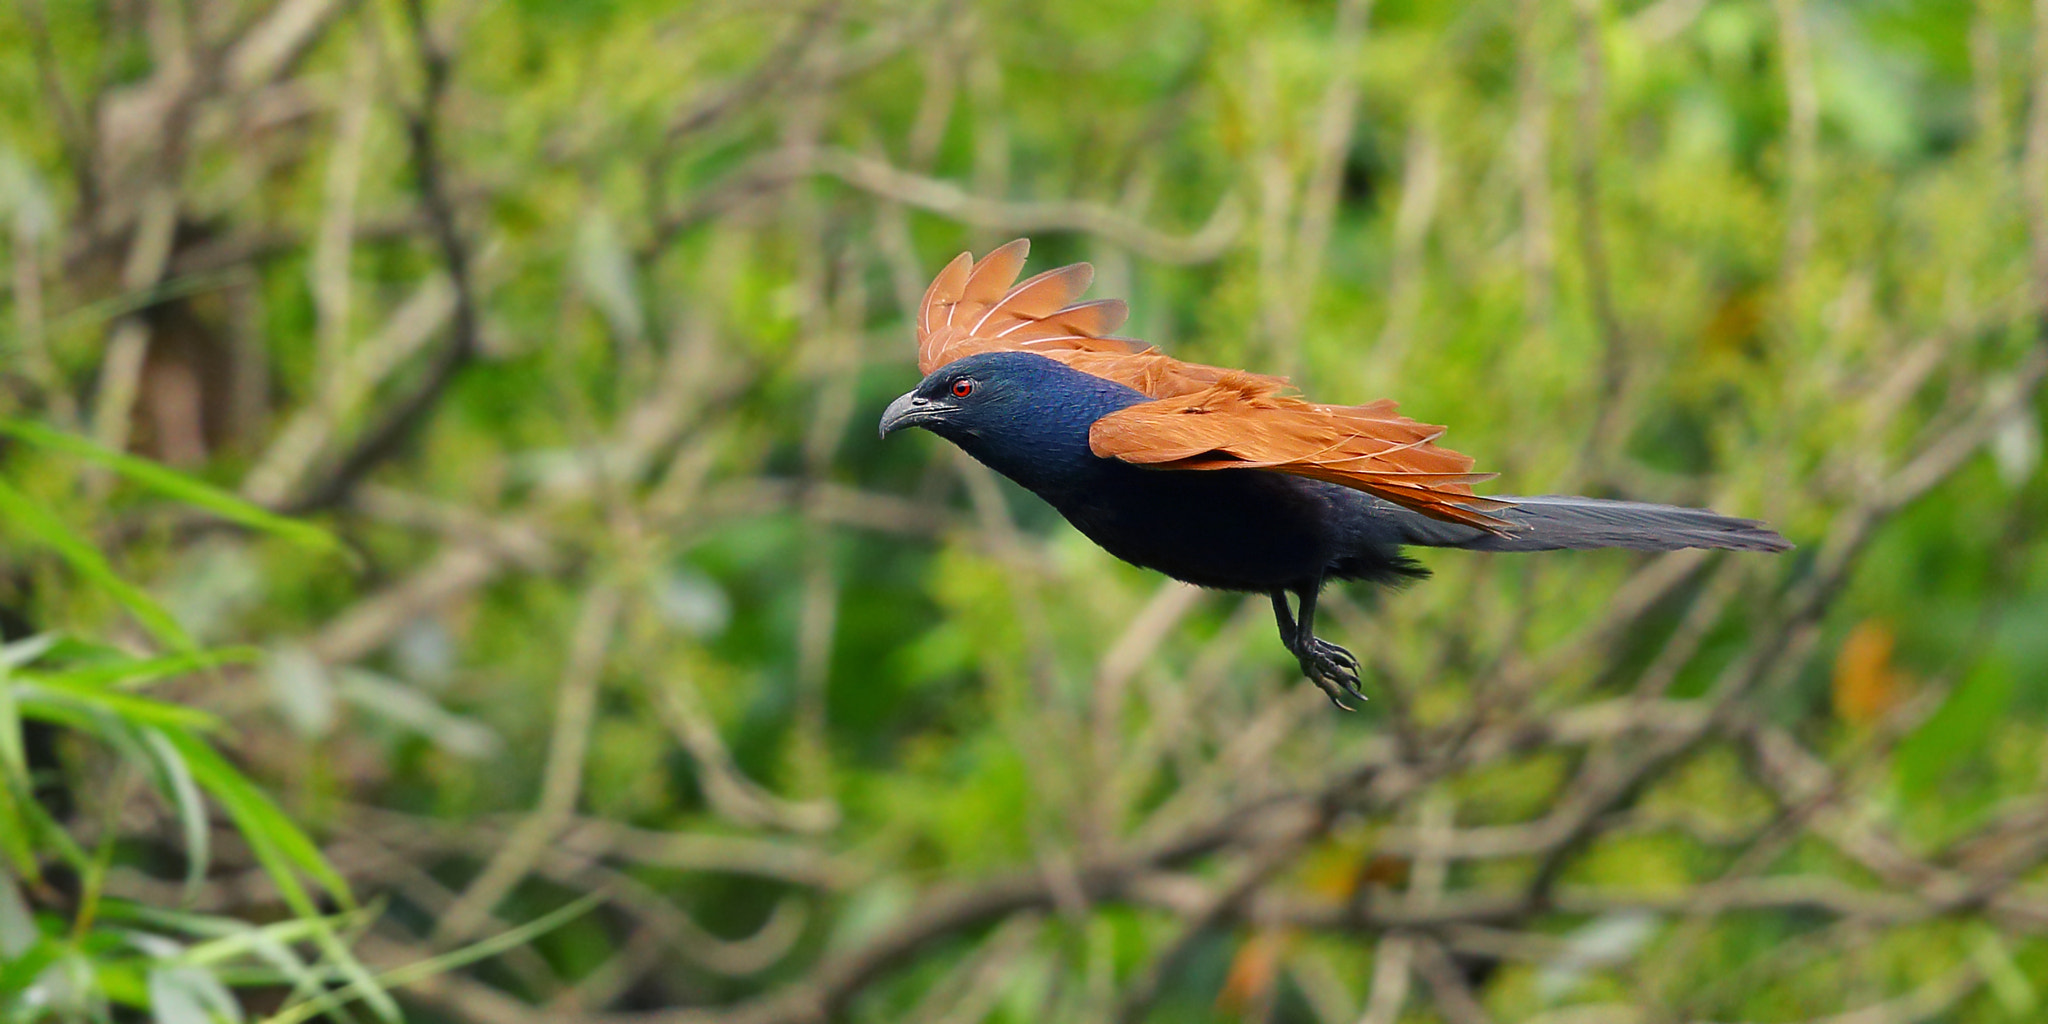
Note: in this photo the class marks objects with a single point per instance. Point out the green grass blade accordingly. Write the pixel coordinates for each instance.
(284, 852)
(13, 759)
(32, 824)
(104, 310)
(131, 673)
(399, 977)
(87, 561)
(183, 792)
(26, 651)
(32, 694)
(244, 940)
(255, 813)
(227, 941)
(177, 486)
(15, 846)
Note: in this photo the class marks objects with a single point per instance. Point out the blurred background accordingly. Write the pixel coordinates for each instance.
(449, 570)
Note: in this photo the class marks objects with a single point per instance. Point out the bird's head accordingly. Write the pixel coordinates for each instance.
(1017, 412)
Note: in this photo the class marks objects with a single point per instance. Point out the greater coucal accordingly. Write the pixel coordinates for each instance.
(1219, 477)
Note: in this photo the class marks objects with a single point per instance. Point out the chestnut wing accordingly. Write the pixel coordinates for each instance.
(1241, 423)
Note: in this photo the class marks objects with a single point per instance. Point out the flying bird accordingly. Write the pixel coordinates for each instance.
(1224, 478)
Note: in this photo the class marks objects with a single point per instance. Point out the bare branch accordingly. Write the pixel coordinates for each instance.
(275, 43)
(778, 170)
(382, 440)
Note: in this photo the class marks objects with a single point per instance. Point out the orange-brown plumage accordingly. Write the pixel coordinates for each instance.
(1201, 417)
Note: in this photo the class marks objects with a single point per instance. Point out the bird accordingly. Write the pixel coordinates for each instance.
(1222, 478)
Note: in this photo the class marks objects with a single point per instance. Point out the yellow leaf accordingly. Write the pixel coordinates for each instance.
(1253, 969)
(1866, 684)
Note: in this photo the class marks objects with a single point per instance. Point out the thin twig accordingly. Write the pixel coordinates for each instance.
(775, 171)
(404, 416)
(561, 780)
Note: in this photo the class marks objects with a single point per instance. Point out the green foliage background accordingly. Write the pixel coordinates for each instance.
(638, 605)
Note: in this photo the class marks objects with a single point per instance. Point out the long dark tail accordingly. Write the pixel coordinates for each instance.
(1552, 522)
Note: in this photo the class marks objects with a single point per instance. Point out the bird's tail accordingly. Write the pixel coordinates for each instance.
(1552, 522)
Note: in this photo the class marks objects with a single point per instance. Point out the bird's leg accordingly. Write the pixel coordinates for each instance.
(1330, 667)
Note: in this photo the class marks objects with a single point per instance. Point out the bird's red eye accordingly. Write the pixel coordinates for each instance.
(962, 388)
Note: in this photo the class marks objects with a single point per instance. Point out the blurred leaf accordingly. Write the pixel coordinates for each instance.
(1599, 943)
(13, 656)
(1254, 969)
(1866, 685)
(1872, 100)
(15, 784)
(399, 977)
(223, 941)
(87, 561)
(2017, 448)
(182, 995)
(605, 270)
(2007, 981)
(35, 979)
(284, 849)
(284, 852)
(227, 939)
(300, 688)
(71, 984)
(17, 925)
(403, 705)
(871, 909)
(33, 694)
(213, 581)
(101, 311)
(24, 195)
(26, 650)
(1956, 733)
(178, 486)
(425, 652)
(124, 672)
(183, 791)
(16, 841)
(692, 602)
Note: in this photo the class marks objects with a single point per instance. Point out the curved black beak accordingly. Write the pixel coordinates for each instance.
(911, 410)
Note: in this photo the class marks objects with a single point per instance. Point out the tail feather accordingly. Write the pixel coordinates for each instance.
(1553, 522)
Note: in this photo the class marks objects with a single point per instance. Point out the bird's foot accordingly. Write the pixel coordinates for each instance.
(1333, 670)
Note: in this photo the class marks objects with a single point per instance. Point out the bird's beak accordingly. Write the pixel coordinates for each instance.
(911, 410)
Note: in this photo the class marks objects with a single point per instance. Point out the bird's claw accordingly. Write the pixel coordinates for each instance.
(1333, 670)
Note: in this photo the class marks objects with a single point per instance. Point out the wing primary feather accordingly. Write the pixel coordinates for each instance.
(946, 286)
(991, 277)
(1042, 296)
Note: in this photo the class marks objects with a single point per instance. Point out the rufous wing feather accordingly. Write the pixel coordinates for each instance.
(1243, 422)
(974, 307)
(1201, 417)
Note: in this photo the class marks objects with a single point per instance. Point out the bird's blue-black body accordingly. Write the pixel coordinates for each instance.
(1027, 417)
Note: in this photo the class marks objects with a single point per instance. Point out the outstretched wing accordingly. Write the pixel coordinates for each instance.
(1242, 422)
(1201, 417)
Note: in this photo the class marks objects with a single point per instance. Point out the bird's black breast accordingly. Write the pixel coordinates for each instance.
(1228, 529)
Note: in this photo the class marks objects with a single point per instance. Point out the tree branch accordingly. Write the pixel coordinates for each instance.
(404, 417)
